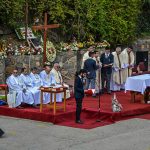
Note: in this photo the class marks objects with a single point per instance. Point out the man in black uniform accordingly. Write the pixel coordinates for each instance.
(79, 93)
(107, 61)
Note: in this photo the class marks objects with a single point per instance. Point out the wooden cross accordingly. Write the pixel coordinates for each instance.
(45, 27)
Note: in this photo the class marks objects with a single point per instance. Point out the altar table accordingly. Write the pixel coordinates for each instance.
(138, 84)
(53, 91)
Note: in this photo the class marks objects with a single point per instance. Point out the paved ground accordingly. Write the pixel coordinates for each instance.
(22, 134)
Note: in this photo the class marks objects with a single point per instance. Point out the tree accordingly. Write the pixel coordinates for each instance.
(113, 20)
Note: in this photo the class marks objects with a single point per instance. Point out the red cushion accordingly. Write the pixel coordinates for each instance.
(88, 92)
(3, 85)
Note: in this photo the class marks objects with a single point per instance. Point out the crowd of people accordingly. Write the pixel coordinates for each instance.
(108, 71)
(105, 72)
(24, 86)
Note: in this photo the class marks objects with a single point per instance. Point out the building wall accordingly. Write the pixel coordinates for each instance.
(143, 45)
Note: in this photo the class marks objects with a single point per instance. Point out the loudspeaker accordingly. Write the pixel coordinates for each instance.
(1, 132)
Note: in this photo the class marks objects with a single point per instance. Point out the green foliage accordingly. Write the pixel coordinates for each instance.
(113, 20)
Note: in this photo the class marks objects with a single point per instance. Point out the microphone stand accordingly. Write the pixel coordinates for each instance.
(99, 119)
(99, 106)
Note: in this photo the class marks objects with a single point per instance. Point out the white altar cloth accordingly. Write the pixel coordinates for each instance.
(138, 83)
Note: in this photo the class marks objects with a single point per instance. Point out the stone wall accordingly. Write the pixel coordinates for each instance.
(67, 61)
(143, 45)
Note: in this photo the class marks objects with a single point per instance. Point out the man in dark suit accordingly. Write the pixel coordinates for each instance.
(91, 67)
(107, 61)
(79, 93)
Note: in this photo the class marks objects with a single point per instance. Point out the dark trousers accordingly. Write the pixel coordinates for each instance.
(78, 108)
(106, 77)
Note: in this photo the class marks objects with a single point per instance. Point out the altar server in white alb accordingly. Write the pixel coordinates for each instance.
(58, 78)
(128, 59)
(48, 80)
(18, 91)
(27, 81)
(117, 79)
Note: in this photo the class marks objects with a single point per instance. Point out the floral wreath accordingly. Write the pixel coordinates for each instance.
(50, 51)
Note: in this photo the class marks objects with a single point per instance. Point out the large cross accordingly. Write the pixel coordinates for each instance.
(45, 27)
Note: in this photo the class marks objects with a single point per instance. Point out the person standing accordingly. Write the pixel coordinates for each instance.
(48, 80)
(98, 72)
(128, 59)
(91, 67)
(86, 56)
(79, 93)
(59, 80)
(117, 82)
(107, 61)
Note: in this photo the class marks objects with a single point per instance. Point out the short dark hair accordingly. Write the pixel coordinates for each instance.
(130, 46)
(81, 71)
(96, 51)
(33, 68)
(91, 53)
(107, 48)
(22, 69)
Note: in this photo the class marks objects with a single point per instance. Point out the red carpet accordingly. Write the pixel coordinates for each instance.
(89, 114)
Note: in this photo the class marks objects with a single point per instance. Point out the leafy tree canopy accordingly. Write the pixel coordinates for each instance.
(112, 20)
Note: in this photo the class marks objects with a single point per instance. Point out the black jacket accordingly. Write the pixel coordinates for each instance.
(106, 61)
(78, 88)
(91, 67)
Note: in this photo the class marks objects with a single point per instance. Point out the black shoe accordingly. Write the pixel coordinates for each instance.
(109, 92)
(94, 95)
(101, 91)
(1, 132)
(79, 121)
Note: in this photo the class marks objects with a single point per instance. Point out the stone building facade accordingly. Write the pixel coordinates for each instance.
(142, 48)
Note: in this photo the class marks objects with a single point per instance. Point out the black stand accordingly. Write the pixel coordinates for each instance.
(99, 106)
(99, 117)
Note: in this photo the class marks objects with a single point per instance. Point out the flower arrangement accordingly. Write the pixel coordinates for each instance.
(50, 51)
(21, 33)
(102, 44)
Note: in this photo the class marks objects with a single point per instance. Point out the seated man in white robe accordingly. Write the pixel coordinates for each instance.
(36, 79)
(117, 81)
(16, 87)
(58, 78)
(27, 81)
(49, 80)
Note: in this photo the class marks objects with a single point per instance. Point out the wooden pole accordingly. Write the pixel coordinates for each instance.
(26, 20)
(45, 38)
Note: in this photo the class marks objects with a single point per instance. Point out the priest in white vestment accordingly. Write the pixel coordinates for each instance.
(117, 81)
(86, 56)
(48, 80)
(128, 59)
(27, 81)
(36, 79)
(58, 78)
(16, 87)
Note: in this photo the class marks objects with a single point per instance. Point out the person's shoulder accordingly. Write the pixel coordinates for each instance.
(103, 54)
(111, 55)
(42, 72)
